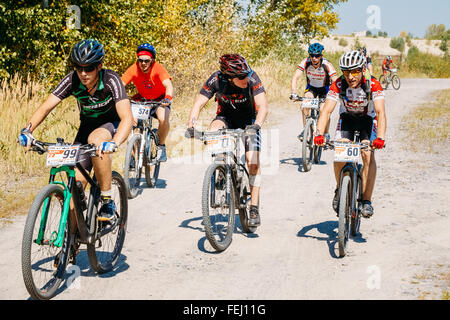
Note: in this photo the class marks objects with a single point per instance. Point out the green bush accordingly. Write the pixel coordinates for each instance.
(342, 42)
(425, 63)
(398, 43)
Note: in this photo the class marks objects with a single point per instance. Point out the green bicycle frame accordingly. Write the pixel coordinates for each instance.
(65, 212)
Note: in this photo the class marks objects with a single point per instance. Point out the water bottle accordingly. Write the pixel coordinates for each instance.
(81, 195)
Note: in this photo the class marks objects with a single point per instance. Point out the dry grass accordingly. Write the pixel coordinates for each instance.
(428, 126)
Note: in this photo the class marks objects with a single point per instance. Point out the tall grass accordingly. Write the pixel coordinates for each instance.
(428, 126)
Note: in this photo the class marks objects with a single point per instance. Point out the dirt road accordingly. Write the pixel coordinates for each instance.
(402, 252)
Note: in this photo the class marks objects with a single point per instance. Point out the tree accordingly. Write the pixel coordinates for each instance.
(435, 32)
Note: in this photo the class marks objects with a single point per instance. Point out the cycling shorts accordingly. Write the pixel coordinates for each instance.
(82, 138)
(318, 92)
(252, 143)
(348, 124)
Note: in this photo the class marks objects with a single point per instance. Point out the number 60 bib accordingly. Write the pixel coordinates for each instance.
(347, 152)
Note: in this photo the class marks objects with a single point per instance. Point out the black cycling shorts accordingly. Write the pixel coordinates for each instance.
(317, 92)
(82, 138)
(348, 124)
(251, 142)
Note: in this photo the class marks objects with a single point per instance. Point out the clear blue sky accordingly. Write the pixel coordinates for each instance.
(395, 15)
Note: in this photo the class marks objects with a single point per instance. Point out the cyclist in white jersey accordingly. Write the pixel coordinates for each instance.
(320, 73)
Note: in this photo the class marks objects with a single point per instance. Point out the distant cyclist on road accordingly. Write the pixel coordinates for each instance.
(153, 82)
(320, 73)
(387, 65)
(361, 109)
(242, 104)
(105, 116)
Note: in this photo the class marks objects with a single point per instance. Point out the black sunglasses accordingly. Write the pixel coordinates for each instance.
(315, 55)
(90, 68)
(144, 60)
(242, 76)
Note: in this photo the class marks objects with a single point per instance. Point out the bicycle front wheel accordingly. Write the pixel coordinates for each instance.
(317, 154)
(218, 214)
(395, 82)
(132, 171)
(43, 262)
(307, 146)
(105, 251)
(151, 164)
(345, 213)
(356, 217)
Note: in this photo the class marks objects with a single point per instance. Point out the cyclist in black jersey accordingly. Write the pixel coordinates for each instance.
(105, 115)
(242, 103)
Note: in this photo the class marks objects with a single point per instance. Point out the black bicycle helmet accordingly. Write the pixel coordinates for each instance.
(234, 65)
(88, 52)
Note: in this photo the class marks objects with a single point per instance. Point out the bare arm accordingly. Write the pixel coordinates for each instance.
(44, 109)
(199, 103)
(381, 118)
(263, 108)
(294, 83)
(169, 87)
(325, 115)
(126, 121)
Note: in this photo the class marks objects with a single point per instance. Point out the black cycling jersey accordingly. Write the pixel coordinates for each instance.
(100, 107)
(235, 104)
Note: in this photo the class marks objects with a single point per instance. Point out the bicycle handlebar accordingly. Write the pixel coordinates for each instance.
(42, 147)
(321, 100)
(202, 135)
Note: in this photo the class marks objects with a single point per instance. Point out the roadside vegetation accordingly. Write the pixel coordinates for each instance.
(428, 126)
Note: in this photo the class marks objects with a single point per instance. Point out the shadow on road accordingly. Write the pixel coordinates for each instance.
(329, 229)
(298, 162)
(201, 243)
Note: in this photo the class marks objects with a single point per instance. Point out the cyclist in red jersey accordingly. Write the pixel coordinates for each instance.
(361, 109)
(387, 65)
(152, 82)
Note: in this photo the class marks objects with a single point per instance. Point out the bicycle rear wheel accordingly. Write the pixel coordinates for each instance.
(245, 199)
(151, 164)
(395, 82)
(43, 263)
(132, 171)
(218, 215)
(345, 212)
(307, 146)
(317, 154)
(383, 81)
(105, 251)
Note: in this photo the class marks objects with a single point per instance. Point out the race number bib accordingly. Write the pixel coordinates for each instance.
(347, 152)
(62, 155)
(220, 144)
(310, 103)
(140, 111)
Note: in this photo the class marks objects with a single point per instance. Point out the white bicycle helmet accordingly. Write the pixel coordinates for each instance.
(352, 60)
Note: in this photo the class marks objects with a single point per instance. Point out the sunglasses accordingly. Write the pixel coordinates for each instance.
(144, 60)
(86, 69)
(242, 76)
(355, 72)
(315, 55)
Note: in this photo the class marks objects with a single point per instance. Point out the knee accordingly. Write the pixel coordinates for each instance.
(253, 169)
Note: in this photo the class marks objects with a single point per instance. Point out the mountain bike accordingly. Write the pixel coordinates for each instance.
(47, 244)
(392, 78)
(310, 152)
(142, 149)
(350, 190)
(226, 186)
